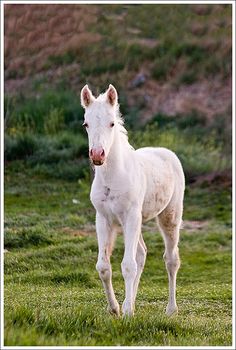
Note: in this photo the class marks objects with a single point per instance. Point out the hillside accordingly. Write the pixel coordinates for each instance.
(176, 63)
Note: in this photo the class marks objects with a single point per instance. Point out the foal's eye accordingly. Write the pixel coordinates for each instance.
(112, 124)
(85, 125)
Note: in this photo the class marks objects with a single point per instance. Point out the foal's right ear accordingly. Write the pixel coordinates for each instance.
(86, 96)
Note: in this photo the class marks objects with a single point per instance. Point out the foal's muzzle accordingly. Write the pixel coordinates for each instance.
(97, 156)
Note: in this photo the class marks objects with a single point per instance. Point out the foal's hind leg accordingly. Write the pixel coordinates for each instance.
(169, 222)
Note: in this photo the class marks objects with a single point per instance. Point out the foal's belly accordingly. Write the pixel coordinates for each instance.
(155, 203)
(159, 190)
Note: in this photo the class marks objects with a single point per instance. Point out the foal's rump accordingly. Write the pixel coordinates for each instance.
(164, 179)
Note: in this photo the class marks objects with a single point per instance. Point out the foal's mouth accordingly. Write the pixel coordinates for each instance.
(98, 162)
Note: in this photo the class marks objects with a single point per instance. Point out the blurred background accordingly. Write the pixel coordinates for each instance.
(171, 65)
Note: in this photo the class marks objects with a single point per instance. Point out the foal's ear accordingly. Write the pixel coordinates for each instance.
(112, 96)
(86, 96)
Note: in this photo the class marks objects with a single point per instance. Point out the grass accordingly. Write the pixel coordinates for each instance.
(47, 113)
(53, 295)
(199, 153)
(57, 150)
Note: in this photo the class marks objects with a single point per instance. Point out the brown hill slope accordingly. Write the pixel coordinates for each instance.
(164, 59)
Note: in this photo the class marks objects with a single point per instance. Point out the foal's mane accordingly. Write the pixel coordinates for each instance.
(120, 120)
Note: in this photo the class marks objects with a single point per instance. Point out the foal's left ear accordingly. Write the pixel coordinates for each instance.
(112, 96)
(86, 96)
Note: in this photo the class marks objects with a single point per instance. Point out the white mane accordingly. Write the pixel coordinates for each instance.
(120, 120)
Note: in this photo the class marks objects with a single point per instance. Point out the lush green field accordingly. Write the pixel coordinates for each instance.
(53, 295)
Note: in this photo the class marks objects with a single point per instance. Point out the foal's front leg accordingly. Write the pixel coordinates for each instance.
(132, 231)
(106, 236)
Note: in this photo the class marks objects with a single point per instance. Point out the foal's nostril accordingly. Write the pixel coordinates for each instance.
(97, 154)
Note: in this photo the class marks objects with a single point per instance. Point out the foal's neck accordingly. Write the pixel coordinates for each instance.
(117, 159)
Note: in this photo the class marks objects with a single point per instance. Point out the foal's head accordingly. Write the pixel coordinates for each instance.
(100, 122)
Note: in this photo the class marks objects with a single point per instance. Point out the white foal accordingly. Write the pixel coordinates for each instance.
(130, 187)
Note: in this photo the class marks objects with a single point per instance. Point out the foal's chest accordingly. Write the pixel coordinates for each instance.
(110, 201)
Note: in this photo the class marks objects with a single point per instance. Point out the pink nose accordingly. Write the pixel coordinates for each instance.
(97, 155)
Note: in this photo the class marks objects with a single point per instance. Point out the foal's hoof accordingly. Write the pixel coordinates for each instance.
(114, 310)
(127, 315)
(171, 310)
(127, 310)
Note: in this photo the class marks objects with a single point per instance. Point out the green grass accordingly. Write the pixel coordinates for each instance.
(53, 295)
(64, 154)
(52, 110)
(198, 150)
